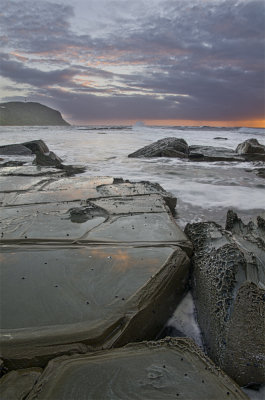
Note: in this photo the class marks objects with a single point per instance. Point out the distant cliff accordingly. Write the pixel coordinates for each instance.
(19, 113)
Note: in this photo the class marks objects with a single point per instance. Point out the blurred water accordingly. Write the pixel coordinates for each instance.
(204, 190)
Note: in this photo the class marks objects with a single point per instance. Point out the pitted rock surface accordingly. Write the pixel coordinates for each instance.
(228, 287)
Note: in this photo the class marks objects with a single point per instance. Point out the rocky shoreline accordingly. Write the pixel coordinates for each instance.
(92, 266)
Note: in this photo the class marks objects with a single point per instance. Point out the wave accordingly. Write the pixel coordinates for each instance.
(250, 131)
(101, 127)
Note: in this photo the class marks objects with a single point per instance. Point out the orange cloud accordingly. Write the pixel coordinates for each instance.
(18, 56)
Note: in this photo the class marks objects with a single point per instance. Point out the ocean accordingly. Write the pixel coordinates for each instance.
(204, 190)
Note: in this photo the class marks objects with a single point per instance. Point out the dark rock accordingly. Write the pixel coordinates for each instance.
(228, 289)
(167, 147)
(29, 113)
(12, 164)
(72, 169)
(260, 172)
(250, 146)
(174, 147)
(37, 145)
(220, 138)
(210, 153)
(49, 160)
(15, 149)
(3, 369)
(252, 150)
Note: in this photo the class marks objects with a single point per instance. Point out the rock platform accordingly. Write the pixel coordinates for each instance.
(85, 261)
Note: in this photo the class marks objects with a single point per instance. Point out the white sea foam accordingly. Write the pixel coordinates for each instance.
(255, 394)
(184, 320)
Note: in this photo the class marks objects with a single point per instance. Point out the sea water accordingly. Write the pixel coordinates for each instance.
(205, 190)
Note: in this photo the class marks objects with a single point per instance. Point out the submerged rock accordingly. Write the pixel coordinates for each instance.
(260, 172)
(162, 370)
(168, 147)
(210, 153)
(12, 164)
(228, 287)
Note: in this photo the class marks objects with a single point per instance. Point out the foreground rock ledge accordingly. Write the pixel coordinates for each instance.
(167, 369)
(102, 258)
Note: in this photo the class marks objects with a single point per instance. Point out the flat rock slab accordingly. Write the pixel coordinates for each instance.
(29, 170)
(131, 219)
(168, 369)
(102, 258)
(96, 295)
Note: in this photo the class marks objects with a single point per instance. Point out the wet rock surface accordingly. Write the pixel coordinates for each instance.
(50, 159)
(228, 281)
(37, 145)
(43, 157)
(167, 369)
(210, 153)
(100, 256)
(260, 172)
(16, 385)
(15, 149)
(168, 147)
(250, 150)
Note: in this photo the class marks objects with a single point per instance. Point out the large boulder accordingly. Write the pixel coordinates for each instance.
(228, 287)
(251, 149)
(162, 370)
(37, 145)
(167, 147)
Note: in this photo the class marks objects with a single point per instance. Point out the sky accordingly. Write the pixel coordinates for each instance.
(163, 62)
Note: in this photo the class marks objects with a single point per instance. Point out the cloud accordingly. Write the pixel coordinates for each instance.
(17, 72)
(148, 60)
